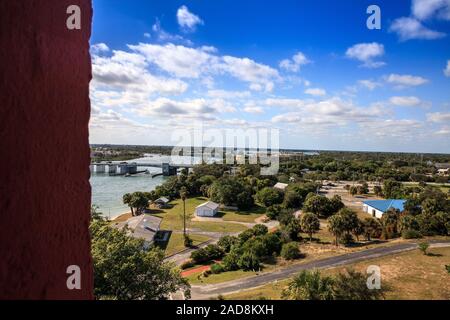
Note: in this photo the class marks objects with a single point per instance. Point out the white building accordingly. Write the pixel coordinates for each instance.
(376, 208)
(280, 186)
(207, 209)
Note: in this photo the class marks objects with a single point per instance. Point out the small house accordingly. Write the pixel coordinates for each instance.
(377, 208)
(207, 209)
(162, 202)
(280, 186)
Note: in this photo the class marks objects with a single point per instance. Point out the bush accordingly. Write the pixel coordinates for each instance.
(227, 242)
(411, 234)
(272, 242)
(249, 261)
(206, 273)
(187, 264)
(188, 241)
(217, 268)
(273, 212)
(346, 239)
(290, 251)
(423, 246)
(210, 252)
(230, 262)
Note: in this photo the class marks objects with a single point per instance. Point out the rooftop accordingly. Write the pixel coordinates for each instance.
(211, 205)
(385, 205)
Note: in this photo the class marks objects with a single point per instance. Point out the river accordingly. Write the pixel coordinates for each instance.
(107, 191)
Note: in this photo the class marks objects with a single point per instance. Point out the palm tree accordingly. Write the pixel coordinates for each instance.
(127, 200)
(183, 193)
(309, 285)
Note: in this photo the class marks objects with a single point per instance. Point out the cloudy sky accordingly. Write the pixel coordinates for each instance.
(311, 69)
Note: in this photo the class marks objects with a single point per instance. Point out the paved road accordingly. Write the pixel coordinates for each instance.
(208, 291)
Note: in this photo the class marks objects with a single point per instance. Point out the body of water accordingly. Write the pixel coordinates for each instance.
(107, 191)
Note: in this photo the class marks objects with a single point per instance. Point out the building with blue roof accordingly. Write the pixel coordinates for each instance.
(378, 207)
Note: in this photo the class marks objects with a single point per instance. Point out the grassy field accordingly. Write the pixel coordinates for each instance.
(173, 218)
(409, 275)
(243, 216)
(176, 242)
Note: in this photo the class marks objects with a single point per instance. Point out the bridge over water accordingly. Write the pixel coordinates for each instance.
(126, 168)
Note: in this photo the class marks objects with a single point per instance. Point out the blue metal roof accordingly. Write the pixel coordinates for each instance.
(385, 205)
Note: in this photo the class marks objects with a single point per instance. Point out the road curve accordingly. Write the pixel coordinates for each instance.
(212, 290)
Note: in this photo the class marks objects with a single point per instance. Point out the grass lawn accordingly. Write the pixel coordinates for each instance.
(176, 242)
(173, 218)
(225, 276)
(409, 275)
(244, 216)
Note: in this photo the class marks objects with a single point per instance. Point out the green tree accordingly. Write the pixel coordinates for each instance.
(309, 285)
(290, 251)
(319, 205)
(127, 200)
(378, 191)
(269, 197)
(336, 225)
(352, 285)
(423, 246)
(249, 261)
(372, 228)
(310, 224)
(183, 194)
(124, 270)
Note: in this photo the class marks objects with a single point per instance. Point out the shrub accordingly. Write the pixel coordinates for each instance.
(187, 264)
(290, 251)
(411, 234)
(260, 230)
(272, 242)
(210, 252)
(206, 273)
(230, 262)
(227, 242)
(273, 212)
(346, 239)
(188, 241)
(423, 246)
(217, 268)
(249, 261)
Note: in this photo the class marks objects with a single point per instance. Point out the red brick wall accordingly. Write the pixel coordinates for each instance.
(45, 194)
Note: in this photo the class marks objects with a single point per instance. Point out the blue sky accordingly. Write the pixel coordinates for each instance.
(310, 69)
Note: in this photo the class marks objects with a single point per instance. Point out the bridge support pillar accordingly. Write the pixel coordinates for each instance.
(112, 168)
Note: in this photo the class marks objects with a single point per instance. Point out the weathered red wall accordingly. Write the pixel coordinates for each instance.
(45, 194)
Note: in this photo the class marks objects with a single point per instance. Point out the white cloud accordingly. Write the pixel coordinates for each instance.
(224, 94)
(315, 92)
(411, 28)
(286, 103)
(187, 20)
(128, 71)
(99, 48)
(294, 64)
(147, 35)
(405, 101)
(250, 71)
(366, 53)
(163, 36)
(177, 60)
(163, 107)
(426, 9)
(438, 117)
(447, 69)
(369, 84)
(330, 112)
(252, 107)
(402, 81)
